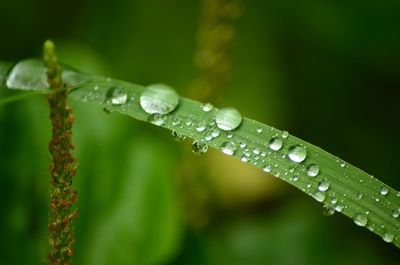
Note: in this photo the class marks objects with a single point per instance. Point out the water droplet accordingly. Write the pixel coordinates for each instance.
(259, 130)
(297, 153)
(323, 186)
(176, 122)
(360, 195)
(242, 145)
(294, 178)
(256, 151)
(285, 134)
(384, 191)
(319, 196)
(228, 119)
(333, 200)
(215, 133)
(199, 148)
(201, 126)
(116, 95)
(229, 135)
(388, 237)
(312, 170)
(157, 119)
(342, 164)
(244, 159)
(396, 212)
(327, 210)
(159, 98)
(228, 148)
(208, 137)
(339, 208)
(275, 143)
(267, 168)
(96, 88)
(178, 137)
(207, 107)
(360, 220)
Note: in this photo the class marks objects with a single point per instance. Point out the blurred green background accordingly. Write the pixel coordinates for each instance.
(328, 73)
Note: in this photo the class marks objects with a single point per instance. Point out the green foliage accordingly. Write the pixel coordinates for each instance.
(338, 185)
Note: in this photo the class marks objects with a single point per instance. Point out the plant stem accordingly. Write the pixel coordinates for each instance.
(63, 165)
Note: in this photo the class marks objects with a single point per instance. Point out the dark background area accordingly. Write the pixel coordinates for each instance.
(328, 73)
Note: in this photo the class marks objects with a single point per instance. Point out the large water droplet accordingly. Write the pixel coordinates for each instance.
(159, 98)
(388, 237)
(312, 170)
(384, 191)
(228, 119)
(319, 196)
(360, 219)
(178, 137)
(116, 95)
(275, 143)
(323, 186)
(207, 107)
(199, 148)
(228, 148)
(297, 153)
(28, 75)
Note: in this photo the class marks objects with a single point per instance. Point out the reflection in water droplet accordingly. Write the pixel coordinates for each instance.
(384, 191)
(323, 186)
(275, 143)
(159, 98)
(360, 219)
(319, 196)
(207, 107)
(297, 153)
(228, 148)
(327, 210)
(199, 148)
(388, 237)
(157, 119)
(178, 137)
(312, 170)
(228, 119)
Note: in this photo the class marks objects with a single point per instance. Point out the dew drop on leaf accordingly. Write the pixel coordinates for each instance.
(384, 191)
(159, 98)
(285, 134)
(201, 126)
(207, 107)
(176, 122)
(178, 137)
(228, 119)
(116, 95)
(157, 119)
(228, 148)
(297, 153)
(323, 186)
(396, 212)
(215, 133)
(319, 196)
(312, 170)
(388, 237)
(199, 148)
(259, 130)
(360, 219)
(267, 168)
(275, 143)
(327, 210)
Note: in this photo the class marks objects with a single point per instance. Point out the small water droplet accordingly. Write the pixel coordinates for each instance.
(360, 195)
(215, 133)
(159, 98)
(176, 122)
(178, 137)
(117, 96)
(323, 185)
(201, 126)
(327, 210)
(244, 159)
(388, 237)
(319, 196)
(256, 151)
(312, 170)
(229, 135)
(342, 164)
(360, 219)
(275, 143)
(384, 191)
(208, 137)
(96, 88)
(242, 145)
(228, 148)
(199, 148)
(207, 107)
(294, 178)
(267, 168)
(259, 130)
(157, 119)
(396, 212)
(297, 153)
(228, 119)
(333, 200)
(339, 208)
(285, 134)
